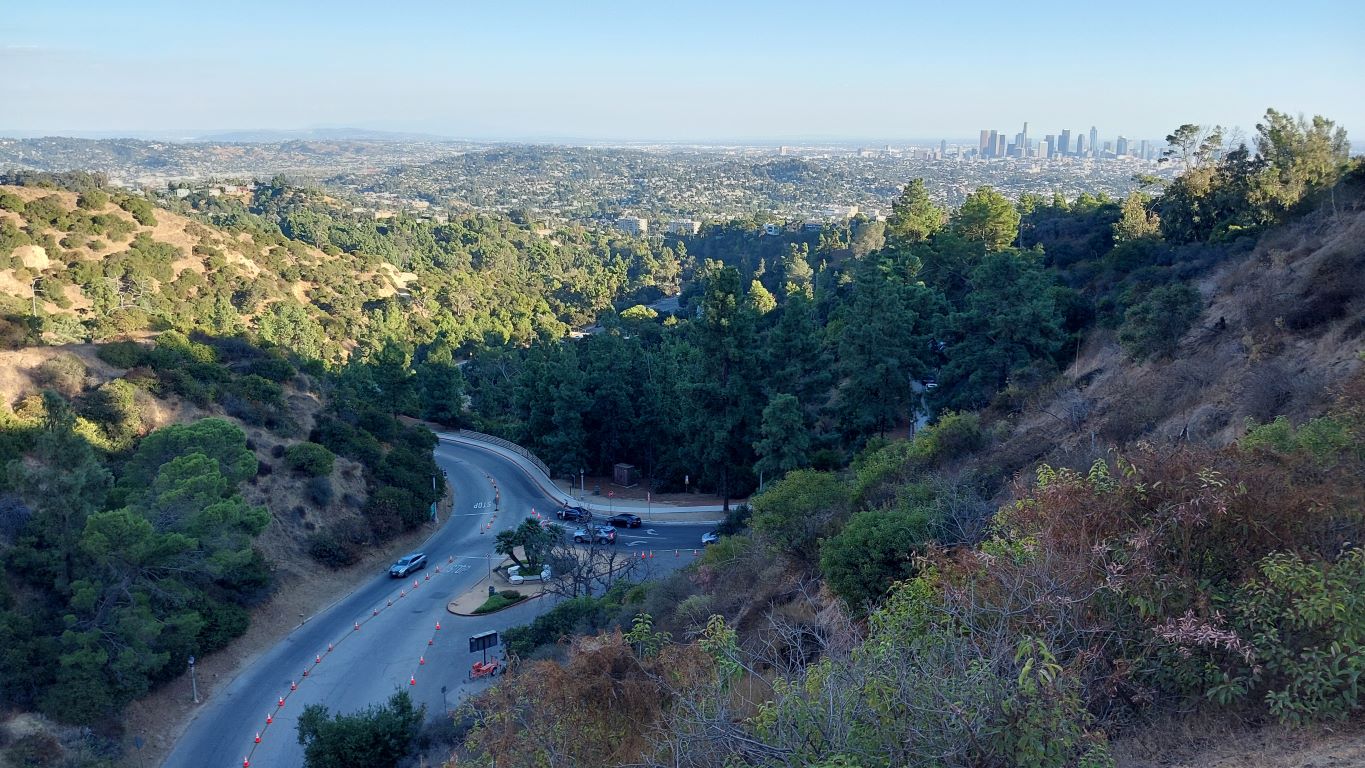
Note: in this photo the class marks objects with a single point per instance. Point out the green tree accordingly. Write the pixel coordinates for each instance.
(987, 217)
(760, 300)
(1195, 146)
(534, 539)
(441, 391)
(724, 389)
(218, 439)
(884, 345)
(64, 483)
(566, 443)
(1300, 155)
(380, 736)
(1137, 222)
(914, 217)
(1010, 320)
(785, 437)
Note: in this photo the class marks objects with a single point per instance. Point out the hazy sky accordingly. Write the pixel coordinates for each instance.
(677, 70)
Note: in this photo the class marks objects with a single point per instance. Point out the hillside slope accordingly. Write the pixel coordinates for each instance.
(114, 264)
(1281, 330)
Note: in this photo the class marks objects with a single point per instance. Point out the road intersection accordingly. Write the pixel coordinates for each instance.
(383, 636)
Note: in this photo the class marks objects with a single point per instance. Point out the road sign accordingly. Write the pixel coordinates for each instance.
(483, 641)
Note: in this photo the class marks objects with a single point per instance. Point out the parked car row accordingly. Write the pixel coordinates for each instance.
(583, 515)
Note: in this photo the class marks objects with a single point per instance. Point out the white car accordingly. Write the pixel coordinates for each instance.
(710, 537)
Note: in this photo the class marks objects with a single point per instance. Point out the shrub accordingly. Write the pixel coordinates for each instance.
(793, 514)
(122, 354)
(309, 459)
(334, 546)
(11, 202)
(272, 368)
(142, 211)
(92, 199)
(1306, 622)
(955, 434)
(64, 373)
(1153, 326)
(499, 601)
(114, 408)
(874, 550)
(35, 750)
(320, 491)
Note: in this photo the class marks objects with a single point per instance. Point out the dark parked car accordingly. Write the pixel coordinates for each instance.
(600, 534)
(573, 513)
(414, 562)
(624, 520)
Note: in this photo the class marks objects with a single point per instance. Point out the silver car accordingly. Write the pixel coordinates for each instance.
(413, 562)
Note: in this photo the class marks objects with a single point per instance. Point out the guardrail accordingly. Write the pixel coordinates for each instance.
(507, 444)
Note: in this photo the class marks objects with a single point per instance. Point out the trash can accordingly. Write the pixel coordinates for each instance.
(491, 590)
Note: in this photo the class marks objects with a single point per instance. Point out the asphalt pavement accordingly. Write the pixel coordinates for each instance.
(398, 645)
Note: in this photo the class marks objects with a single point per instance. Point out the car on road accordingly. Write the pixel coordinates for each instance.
(578, 514)
(710, 537)
(598, 534)
(625, 520)
(413, 562)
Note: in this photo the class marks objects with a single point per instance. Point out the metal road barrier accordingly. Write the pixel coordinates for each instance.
(508, 444)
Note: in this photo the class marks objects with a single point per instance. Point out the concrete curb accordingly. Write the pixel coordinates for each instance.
(454, 612)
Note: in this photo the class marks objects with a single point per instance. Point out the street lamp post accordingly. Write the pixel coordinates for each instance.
(194, 684)
(581, 488)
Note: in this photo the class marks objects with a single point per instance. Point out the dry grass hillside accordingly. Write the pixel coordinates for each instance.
(203, 261)
(1282, 329)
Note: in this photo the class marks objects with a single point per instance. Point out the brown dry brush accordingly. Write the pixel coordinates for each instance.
(593, 710)
(1144, 551)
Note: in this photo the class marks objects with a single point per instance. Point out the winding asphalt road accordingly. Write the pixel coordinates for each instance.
(397, 645)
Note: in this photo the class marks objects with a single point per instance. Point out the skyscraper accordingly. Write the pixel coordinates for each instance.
(985, 142)
(999, 144)
(1080, 146)
(1051, 142)
(1094, 142)
(1023, 140)
(1122, 149)
(1064, 145)
(991, 144)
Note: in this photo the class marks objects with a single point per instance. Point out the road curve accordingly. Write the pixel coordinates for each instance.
(397, 642)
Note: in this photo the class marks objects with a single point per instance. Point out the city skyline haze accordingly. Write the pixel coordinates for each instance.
(685, 72)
